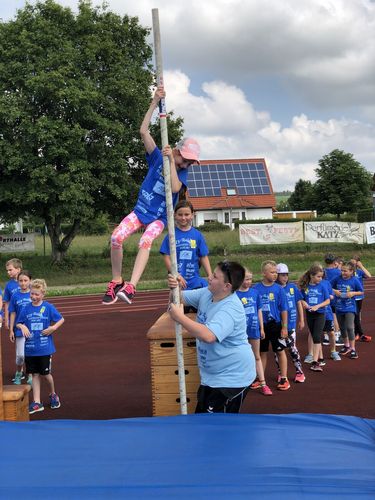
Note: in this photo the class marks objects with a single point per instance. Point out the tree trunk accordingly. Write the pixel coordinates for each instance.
(60, 248)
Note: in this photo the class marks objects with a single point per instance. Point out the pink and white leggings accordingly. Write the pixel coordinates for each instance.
(129, 225)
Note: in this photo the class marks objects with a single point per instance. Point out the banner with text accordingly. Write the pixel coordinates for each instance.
(17, 242)
(280, 232)
(333, 232)
(370, 232)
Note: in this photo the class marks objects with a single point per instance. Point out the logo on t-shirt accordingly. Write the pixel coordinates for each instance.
(193, 244)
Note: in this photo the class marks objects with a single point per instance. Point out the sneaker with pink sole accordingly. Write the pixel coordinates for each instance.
(265, 390)
(126, 292)
(299, 378)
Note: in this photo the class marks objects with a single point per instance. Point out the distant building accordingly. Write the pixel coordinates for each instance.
(230, 190)
(296, 214)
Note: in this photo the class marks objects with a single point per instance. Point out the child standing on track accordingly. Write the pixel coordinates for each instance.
(150, 210)
(275, 320)
(17, 302)
(315, 299)
(254, 323)
(294, 300)
(13, 268)
(361, 273)
(191, 249)
(346, 288)
(38, 321)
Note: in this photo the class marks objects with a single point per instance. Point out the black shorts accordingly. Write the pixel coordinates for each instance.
(220, 399)
(272, 331)
(329, 326)
(38, 364)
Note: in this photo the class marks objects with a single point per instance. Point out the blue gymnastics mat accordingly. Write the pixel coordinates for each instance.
(297, 456)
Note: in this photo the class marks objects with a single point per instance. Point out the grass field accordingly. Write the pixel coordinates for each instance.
(87, 265)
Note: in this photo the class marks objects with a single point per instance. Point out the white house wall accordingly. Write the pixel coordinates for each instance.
(219, 215)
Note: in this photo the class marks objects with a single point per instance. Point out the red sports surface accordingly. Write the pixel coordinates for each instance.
(102, 365)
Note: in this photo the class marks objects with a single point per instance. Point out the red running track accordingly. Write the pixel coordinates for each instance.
(102, 365)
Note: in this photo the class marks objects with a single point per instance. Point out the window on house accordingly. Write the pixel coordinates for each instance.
(231, 191)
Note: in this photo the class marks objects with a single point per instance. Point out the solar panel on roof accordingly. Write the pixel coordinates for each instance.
(207, 180)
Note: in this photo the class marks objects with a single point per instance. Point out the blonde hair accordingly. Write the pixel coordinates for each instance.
(16, 263)
(39, 285)
(268, 263)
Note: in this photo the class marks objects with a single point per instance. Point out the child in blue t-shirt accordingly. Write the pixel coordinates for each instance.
(332, 271)
(275, 320)
(254, 326)
(13, 268)
(295, 309)
(361, 273)
(1, 308)
(38, 321)
(346, 288)
(150, 211)
(191, 249)
(17, 302)
(315, 299)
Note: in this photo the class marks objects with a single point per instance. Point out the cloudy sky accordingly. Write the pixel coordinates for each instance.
(286, 81)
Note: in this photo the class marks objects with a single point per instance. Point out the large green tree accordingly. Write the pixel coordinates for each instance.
(73, 92)
(302, 197)
(343, 184)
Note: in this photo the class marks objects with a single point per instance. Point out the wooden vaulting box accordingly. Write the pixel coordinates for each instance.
(16, 402)
(164, 368)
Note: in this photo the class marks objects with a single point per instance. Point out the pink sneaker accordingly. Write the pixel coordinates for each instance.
(126, 292)
(300, 377)
(266, 391)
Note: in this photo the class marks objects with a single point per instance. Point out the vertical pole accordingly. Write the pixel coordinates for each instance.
(170, 214)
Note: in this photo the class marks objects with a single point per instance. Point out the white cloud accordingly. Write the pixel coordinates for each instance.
(228, 126)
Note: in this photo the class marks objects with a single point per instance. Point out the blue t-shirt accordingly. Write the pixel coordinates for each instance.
(37, 319)
(345, 304)
(293, 296)
(228, 362)
(251, 302)
(151, 204)
(360, 275)
(331, 273)
(10, 288)
(190, 247)
(17, 302)
(329, 312)
(273, 301)
(316, 294)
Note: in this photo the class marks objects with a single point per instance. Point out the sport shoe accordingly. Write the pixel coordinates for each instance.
(283, 385)
(365, 338)
(22, 376)
(110, 296)
(335, 356)
(353, 354)
(325, 339)
(315, 367)
(35, 407)
(256, 385)
(126, 292)
(54, 401)
(309, 358)
(338, 339)
(345, 350)
(30, 380)
(299, 378)
(265, 390)
(17, 378)
(321, 362)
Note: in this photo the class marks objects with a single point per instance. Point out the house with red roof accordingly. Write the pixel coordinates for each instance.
(230, 190)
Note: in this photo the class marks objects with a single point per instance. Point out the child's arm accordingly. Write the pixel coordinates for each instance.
(361, 266)
(6, 314)
(146, 137)
(176, 184)
(168, 265)
(301, 317)
(198, 330)
(284, 324)
(52, 328)
(25, 331)
(205, 263)
(11, 326)
(261, 324)
(318, 306)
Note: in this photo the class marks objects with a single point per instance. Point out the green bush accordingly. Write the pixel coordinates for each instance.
(213, 226)
(365, 215)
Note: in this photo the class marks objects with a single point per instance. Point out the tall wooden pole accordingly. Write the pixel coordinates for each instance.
(170, 214)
